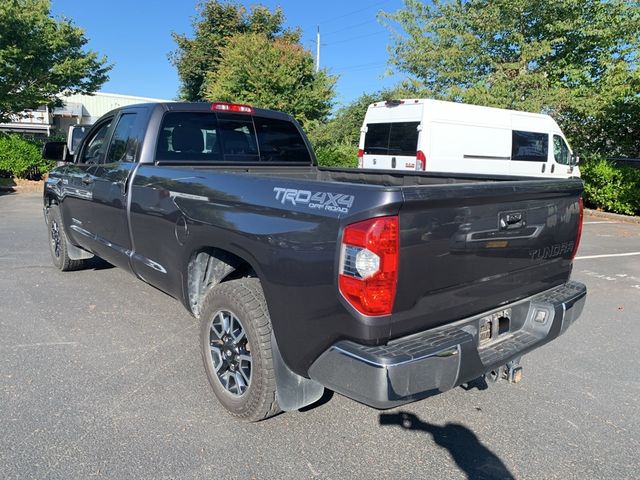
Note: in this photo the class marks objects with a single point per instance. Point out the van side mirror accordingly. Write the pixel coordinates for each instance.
(55, 151)
(575, 159)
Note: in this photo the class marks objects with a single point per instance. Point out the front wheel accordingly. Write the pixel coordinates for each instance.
(58, 242)
(236, 349)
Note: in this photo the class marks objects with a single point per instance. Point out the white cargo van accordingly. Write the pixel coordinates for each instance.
(436, 136)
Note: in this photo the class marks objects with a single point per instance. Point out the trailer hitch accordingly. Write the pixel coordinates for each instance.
(512, 372)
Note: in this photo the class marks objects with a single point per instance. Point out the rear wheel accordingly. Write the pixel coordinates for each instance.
(58, 242)
(236, 349)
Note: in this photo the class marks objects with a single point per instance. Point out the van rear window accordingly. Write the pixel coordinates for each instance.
(399, 138)
(529, 146)
(228, 137)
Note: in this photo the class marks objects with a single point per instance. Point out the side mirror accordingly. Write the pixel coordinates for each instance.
(575, 159)
(55, 151)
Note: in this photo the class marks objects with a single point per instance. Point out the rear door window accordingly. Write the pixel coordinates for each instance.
(529, 146)
(398, 138)
(124, 142)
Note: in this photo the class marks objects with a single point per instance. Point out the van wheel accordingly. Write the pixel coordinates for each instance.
(236, 349)
(58, 242)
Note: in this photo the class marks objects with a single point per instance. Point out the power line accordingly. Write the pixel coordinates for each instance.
(346, 67)
(353, 38)
(359, 68)
(353, 12)
(351, 26)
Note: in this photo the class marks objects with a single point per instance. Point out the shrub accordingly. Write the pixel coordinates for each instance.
(611, 187)
(22, 158)
(337, 155)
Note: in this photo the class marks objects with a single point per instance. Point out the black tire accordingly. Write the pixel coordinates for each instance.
(58, 242)
(242, 300)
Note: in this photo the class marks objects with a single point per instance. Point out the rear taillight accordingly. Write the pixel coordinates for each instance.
(421, 161)
(579, 234)
(369, 265)
(360, 158)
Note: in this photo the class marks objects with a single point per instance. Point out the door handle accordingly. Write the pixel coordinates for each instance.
(512, 221)
(544, 166)
(87, 179)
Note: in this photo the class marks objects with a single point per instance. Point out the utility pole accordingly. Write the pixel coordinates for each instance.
(318, 50)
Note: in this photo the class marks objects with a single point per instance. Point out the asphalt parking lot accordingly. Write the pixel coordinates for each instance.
(100, 375)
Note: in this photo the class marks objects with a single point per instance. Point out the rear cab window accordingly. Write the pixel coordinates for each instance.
(396, 138)
(229, 138)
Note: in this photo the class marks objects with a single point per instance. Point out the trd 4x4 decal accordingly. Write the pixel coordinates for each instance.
(330, 202)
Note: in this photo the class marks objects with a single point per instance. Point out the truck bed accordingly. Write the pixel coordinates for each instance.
(454, 259)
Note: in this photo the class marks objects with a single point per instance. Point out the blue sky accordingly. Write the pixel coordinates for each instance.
(136, 36)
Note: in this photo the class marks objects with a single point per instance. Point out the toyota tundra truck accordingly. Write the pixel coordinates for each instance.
(385, 286)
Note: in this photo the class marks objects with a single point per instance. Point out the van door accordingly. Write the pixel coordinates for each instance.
(391, 146)
(561, 158)
(529, 154)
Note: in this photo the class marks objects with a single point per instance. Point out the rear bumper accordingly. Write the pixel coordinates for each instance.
(423, 364)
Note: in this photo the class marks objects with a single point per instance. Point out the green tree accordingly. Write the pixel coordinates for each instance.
(41, 57)
(271, 73)
(215, 24)
(574, 59)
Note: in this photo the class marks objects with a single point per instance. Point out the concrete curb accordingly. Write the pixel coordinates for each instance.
(20, 189)
(612, 216)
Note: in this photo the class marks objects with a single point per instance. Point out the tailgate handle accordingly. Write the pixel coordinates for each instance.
(511, 221)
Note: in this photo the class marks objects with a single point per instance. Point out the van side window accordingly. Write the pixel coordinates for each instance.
(561, 150)
(398, 138)
(529, 146)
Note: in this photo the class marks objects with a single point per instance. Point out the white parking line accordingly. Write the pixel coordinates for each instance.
(588, 257)
(594, 223)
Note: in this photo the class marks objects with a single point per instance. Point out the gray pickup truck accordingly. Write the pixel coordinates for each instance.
(385, 287)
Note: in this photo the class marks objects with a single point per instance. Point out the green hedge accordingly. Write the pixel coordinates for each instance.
(337, 155)
(22, 158)
(611, 187)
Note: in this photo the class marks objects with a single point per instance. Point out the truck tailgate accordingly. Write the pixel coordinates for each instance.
(466, 249)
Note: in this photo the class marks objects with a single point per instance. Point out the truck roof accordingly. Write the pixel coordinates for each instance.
(205, 107)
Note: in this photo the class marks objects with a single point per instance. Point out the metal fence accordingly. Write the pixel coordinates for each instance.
(627, 162)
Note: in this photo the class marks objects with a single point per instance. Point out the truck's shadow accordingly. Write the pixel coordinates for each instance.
(471, 456)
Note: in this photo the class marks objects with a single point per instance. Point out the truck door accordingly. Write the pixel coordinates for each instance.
(108, 229)
(77, 186)
(104, 166)
(529, 154)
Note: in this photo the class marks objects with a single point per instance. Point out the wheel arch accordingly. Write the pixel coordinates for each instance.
(211, 266)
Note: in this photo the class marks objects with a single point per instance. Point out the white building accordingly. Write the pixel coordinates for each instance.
(77, 109)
